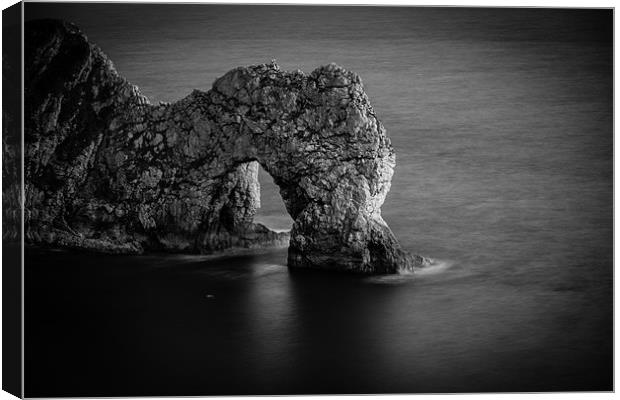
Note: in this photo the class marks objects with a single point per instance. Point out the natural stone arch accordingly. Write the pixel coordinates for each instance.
(107, 170)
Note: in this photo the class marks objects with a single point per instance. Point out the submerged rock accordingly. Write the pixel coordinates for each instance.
(106, 170)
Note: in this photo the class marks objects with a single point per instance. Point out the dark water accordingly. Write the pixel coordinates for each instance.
(502, 125)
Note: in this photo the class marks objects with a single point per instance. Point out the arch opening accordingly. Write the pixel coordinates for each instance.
(271, 211)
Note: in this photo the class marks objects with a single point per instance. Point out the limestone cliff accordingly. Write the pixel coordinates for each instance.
(106, 170)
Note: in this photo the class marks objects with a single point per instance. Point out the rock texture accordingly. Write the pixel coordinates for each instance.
(11, 134)
(108, 171)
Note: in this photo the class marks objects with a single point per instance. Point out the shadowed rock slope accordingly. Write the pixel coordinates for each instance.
(106, 170)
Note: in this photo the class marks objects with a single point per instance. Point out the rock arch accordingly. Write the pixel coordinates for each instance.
(107, 170)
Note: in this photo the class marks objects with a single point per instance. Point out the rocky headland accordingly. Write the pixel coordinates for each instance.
(106, 170)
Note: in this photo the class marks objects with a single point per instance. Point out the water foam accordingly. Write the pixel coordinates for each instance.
(435, 267)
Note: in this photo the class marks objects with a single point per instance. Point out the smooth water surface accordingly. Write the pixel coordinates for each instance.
(502, 125)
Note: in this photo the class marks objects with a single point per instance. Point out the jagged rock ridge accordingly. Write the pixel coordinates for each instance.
(108, 171)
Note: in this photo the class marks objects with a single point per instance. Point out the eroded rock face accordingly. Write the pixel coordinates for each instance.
(107, 170)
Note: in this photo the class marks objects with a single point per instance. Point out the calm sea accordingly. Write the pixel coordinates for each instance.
(502, 125)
